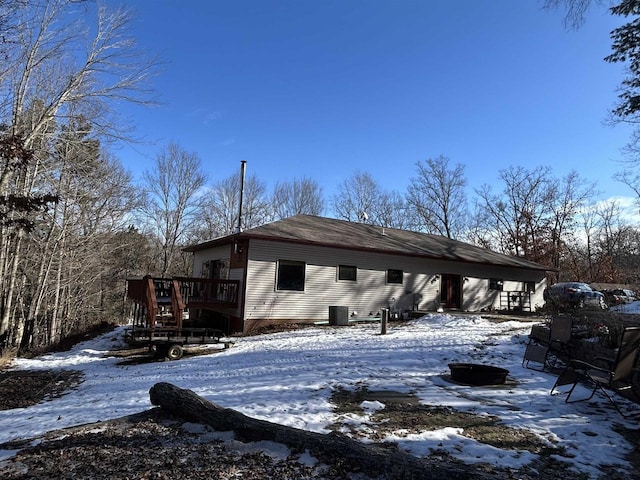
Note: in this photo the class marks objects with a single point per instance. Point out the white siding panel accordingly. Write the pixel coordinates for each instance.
(370, 292)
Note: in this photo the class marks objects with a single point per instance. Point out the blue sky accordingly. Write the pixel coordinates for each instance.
(321, 89)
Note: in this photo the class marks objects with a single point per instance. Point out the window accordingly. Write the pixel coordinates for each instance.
(218, 269)
(206, 269)
(290, 275)
(530, 287)
(347, 273)
(495, 284)
(394, 276)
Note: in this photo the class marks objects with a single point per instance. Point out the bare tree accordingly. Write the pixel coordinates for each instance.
(535, 215)
(361, 199)
(302, 196)
(67, 241)
(569, 195)
(173, 189)
(221, 202)
(517, 217)
(54, 69)
(575, 10)
(356, 198)
(437, 197)
(631, 179)
(616, 248)
(391, 210)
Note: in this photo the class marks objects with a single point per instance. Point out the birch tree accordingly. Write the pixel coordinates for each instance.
(63, 59)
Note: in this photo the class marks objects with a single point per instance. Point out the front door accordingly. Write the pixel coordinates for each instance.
(450, 291)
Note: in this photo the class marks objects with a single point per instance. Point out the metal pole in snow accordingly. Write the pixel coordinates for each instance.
(383, 321)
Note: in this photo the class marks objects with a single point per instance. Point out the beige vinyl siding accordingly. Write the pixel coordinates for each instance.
(216, 253)
(367, 295)
(370, 292)
(480, 296)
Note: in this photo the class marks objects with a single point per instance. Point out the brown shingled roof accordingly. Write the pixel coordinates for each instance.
(330, 232)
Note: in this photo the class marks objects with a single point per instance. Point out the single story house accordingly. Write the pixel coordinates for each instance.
(298, 268)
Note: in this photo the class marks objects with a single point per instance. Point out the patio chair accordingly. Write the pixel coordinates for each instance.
(545, 352)
(618, 375)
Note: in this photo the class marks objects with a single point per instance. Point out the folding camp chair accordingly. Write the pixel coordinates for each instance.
(617, 376)
(545, 352)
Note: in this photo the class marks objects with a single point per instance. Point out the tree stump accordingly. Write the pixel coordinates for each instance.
(371, 459)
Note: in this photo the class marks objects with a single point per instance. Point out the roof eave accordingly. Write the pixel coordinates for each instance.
(242, 236)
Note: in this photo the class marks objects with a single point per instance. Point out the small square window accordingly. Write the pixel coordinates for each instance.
(496, 284)
(394, 276)
(348, 273)
(291, 275)
(530, 287)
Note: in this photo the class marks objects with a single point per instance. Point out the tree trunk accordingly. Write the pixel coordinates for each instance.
(372, 459)
(6, 323)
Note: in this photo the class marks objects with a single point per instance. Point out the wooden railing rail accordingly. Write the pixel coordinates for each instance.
(182, 293)
(152, 302)
(177, 304)
(208, 291)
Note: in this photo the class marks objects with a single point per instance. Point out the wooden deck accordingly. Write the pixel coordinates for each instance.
(163, 308)
(163, 302)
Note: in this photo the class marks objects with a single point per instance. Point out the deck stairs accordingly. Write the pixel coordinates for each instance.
(164, 292)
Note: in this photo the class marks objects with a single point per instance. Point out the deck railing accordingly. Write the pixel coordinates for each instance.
(515, 300)
(185, 292)
(208, 292)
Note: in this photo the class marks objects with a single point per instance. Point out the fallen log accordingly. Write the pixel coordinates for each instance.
(371, 459)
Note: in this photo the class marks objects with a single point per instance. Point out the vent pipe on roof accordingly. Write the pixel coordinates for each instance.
(243, 167)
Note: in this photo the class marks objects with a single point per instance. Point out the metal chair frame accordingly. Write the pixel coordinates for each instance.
(556, 347)
(617, 376)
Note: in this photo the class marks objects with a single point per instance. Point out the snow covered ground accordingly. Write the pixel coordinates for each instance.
(288, 377)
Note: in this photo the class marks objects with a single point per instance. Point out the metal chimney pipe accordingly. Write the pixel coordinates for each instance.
(243, 168)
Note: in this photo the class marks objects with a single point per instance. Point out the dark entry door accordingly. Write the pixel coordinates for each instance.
(450, 291)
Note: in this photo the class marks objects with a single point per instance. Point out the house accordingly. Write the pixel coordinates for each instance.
(299, 268)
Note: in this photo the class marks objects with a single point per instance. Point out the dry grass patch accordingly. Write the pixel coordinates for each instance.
(6, 357)
(404, 413)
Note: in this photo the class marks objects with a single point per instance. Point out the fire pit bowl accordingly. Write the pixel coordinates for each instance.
(477, 374)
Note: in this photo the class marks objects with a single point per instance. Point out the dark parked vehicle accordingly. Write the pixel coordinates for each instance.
(629, 295)
(613, 297)
(573, 295)
(619, 296)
